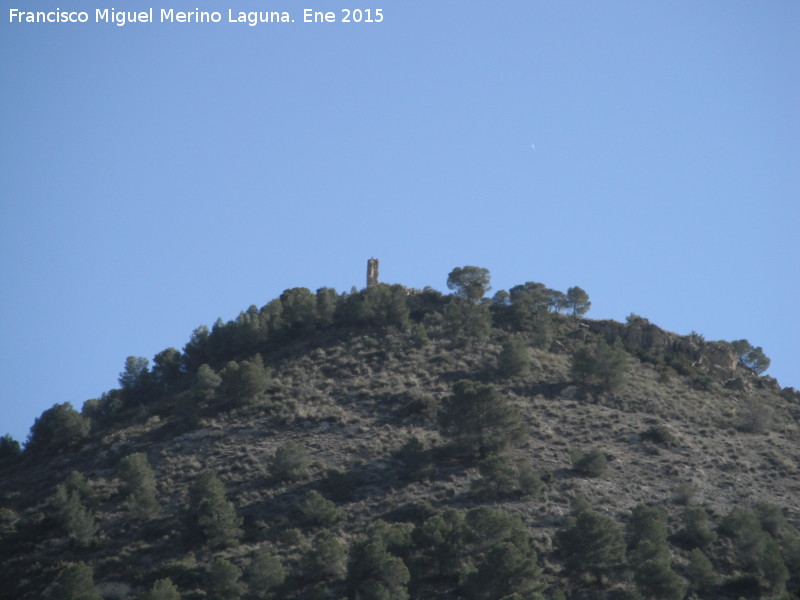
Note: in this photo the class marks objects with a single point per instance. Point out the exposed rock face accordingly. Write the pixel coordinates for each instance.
(717, 358)
(372, 272)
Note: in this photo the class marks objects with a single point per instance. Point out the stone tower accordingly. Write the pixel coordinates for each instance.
(372, 272)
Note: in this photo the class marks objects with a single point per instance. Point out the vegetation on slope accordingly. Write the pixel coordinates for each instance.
(391, 443)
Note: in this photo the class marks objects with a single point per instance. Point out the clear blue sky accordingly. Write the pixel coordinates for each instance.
(158, 176)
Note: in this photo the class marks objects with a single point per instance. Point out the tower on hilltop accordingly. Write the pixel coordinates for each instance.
(372, 272)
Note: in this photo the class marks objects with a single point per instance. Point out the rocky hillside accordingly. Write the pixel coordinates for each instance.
(391, 443)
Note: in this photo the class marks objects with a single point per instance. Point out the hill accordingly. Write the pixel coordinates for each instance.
(391, 443)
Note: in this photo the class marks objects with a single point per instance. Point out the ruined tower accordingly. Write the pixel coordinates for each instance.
(372, 272)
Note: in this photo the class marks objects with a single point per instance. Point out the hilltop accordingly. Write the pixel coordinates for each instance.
(390, 443)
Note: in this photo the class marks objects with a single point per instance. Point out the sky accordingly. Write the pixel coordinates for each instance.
(157, 176)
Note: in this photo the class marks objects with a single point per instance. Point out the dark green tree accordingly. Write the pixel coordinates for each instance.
(470, 283)
(530, 312)
(167, 367)
(591, 544)
(700, 572)
(78, 521)
(206, 383)
(591, 463)
(290, 462)
(318, 511)
(327, 558)
(578, 301)
(479, 420)
(211, 516)
(327, 299)
(646, 534)
(505, 569)
(498, 477)
(514, 360)
(197, 351)
(75, 582)
(299, 307)
(385, 305)
(467, 322)
(696, 532)
(415, 461)
(10, 449)
(601, 367)
(163, 589)
(655, 579)
(373, 573)
(500, 560)
(139, 483)
(751, 357)
(224, 581)
(58, 428)
(136, 375)
(264, 574)
(441, 545)
(244, 382)
(558, 301)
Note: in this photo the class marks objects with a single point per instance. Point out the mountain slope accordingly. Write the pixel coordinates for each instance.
(340, 384)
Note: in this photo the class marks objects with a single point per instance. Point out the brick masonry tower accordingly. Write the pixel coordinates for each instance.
(372, 272)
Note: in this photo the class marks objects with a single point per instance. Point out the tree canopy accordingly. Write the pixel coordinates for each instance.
(469, 282)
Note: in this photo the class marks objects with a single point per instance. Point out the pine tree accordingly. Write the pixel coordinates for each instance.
(211, 516)
(224, 581)
(140, 484)
(163, 589)
(479, 420)
(591, 544)
(700, 571)
(655, 579)
(514, 360)
(290, 462)
(264, 574)
(327, 558)
(75, 582)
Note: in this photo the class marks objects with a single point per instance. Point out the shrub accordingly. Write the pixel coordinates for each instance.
(758, 419)
(318, 511)
(590, 463)
(684, 494)
(500, 478)
(415, 461)
(290, 462)
(660, 434)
